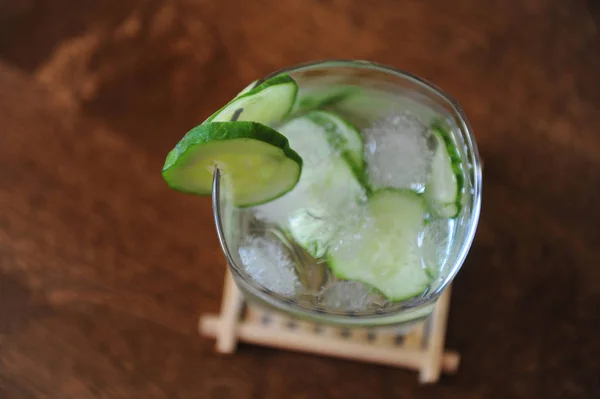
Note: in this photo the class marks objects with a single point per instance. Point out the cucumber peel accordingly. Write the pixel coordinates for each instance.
(257, 160)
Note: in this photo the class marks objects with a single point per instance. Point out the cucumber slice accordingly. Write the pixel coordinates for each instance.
(444, 188)
(328, 188)
(311, 99)
(257, 160)
(342, 136)
(327, 191)
(267, 103)
(329, 201)
(384, 250)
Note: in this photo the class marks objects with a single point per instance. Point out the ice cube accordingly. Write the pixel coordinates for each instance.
(269, 264)
(397, 153)
(350, 296)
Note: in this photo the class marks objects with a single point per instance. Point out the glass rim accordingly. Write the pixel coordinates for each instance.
(358, 317)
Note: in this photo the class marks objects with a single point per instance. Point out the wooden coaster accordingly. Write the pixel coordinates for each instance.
(421, 349)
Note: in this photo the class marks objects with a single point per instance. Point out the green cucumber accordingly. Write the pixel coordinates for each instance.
(318, 98)
(342, 135)
(328, 189)
(384, 250)
(444, 188)
(327, 203)
(267, 103)
(258, 161)
(327, 192)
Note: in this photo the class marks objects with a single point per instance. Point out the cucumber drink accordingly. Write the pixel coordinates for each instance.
(343, 191)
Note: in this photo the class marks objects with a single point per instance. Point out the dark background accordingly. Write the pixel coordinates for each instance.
(104, 271)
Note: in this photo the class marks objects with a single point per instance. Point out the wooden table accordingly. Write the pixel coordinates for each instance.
(104, 271)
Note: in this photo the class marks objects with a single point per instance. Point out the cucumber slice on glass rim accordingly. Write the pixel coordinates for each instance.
(267, 103)
(257, 160)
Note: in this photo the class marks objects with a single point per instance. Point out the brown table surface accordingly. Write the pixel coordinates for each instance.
(104, 271)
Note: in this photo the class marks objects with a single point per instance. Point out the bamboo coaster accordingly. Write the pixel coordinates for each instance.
(421, 349)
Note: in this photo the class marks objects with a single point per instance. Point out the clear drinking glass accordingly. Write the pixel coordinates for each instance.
(385, 91)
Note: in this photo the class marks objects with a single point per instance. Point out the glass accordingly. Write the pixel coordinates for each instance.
(391, 90)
